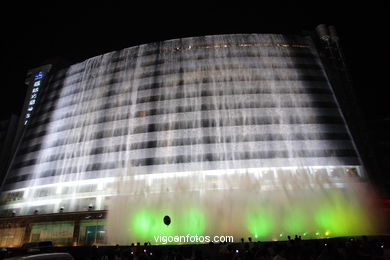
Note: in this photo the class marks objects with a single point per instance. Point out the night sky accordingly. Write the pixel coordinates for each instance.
(37, 32)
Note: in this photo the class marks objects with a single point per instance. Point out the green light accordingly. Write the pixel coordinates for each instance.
(336, 214)
(295, 220)
(145, 224)
(259, 223)
(192, 222)
(342, 216)
(142, 223)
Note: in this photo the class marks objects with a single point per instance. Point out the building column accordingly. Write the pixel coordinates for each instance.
(76, 232)
(27, 233)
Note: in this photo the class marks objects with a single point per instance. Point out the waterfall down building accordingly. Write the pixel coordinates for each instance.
(257, 105)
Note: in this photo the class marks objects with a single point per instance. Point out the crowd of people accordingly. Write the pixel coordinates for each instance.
(294, 248)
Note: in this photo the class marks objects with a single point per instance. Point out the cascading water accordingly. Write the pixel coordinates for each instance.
(251, 181)
(228, 135)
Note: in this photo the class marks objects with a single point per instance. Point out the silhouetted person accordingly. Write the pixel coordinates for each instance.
(94, 253)
(117, 252)
(251, 244)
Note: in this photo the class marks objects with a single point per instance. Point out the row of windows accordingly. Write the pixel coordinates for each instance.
(182, 109)
(19, 178)
(229, 46)
(68, 170)
(199, 80)
(106, 118)
(118, 77)
(233, 106)
(44, 192)
(187, 141)
(179, 125)
(238, 139)
(203, 91)
(267, 175)
(51, 106)
(186, 64)
(236, 92)
(208, 157)
(11, 196)
(265, 120)
(229, 80)
(139, 60)
(73, 154)
(212, 69)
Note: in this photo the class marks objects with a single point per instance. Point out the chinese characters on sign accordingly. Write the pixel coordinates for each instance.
(34, 93)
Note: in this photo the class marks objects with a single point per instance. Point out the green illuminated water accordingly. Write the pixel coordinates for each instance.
(235, 139)
(263, 214)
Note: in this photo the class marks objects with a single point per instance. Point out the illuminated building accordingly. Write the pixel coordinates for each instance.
(204, 105)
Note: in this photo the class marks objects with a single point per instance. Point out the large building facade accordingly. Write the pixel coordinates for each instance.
(211, 104)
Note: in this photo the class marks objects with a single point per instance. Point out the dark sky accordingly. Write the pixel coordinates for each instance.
(36, 32)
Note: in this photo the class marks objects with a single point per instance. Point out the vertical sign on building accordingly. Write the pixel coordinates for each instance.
(35, 80)
(38, 77)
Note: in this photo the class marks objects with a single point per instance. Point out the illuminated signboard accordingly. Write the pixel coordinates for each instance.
(33, 98)
(38, 76)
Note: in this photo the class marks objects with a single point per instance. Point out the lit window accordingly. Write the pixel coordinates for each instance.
(30, 109)
(38, 83)
(35, 90)
(32, 102)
